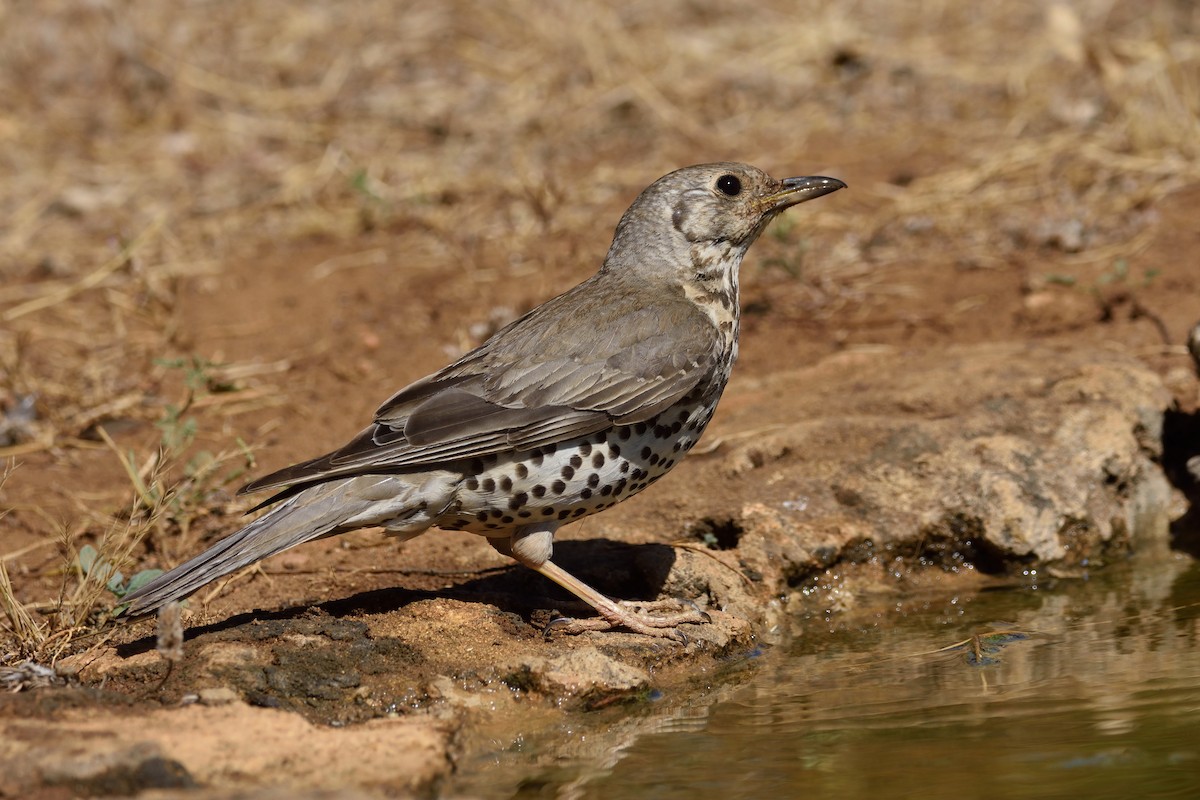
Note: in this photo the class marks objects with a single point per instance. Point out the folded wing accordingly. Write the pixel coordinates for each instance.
(534, 383)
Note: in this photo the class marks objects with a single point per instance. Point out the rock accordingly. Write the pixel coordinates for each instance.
(578, 673)
(125, 771)
(227, 749)
(1057, 309)
(218, 696)
(988, 459)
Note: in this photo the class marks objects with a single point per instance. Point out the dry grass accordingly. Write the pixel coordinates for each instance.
(163, 509)
(146, 145)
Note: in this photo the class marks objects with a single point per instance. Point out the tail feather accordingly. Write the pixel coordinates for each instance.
(314, 513)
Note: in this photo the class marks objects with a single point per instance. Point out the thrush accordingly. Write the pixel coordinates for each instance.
(581, 403)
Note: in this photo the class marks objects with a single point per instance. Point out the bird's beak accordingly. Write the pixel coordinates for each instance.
(798, 190)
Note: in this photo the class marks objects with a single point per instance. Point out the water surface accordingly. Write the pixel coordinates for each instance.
(1083, 688)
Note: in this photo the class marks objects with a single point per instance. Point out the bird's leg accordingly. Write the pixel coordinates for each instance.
(616, 614)
(532, 546)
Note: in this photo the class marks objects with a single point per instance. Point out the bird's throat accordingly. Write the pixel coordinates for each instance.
(713, 287)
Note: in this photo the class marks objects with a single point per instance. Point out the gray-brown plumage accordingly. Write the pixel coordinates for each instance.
(582, 402)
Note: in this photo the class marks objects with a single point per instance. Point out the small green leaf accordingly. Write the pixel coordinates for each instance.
(87, 558)
(139, 580)
(198, 463)
(114, 583)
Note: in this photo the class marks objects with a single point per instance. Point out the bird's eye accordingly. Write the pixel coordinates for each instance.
(730, 185)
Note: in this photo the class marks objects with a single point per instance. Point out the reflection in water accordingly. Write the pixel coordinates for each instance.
(1092, 689)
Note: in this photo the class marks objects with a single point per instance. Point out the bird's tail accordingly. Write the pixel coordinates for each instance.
(313, 513)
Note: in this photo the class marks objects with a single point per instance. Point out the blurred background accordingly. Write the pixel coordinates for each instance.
(152, 148)
(229, 230)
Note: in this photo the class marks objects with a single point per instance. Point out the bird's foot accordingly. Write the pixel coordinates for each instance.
(643, 617)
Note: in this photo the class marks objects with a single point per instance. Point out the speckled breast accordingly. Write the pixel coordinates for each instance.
(572, 479)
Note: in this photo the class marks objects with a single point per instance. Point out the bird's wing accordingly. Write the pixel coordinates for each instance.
(535, 383)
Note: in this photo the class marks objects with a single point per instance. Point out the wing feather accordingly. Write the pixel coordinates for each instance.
(536, 382)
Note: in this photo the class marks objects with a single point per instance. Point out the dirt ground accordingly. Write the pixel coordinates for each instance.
(231, 231)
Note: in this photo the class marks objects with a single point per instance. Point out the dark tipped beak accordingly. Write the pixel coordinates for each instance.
(798, 190)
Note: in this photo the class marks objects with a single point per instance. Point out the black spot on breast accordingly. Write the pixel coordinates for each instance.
(472, 484)
(496, 513)
(481, 516)
(624, 467)
(614, 450)
(585, 449)
(568, 472)
(558, 487)
(586, 494)
(624, 433)
(536, 458)
(507, 520)
(653, 460)
(683, 415)
(524, 514)
(476, 466)
(518, 500)
(661, 431)
(593, 480)
(647, 452)
(488, 485)
(566, 512)
(579, 512)
(505, 484)
(551, 449)
(606, 490)
(597, 459)
(521, 470)
(539, 491)
(576, 461)
(641, 428)
(547, 511)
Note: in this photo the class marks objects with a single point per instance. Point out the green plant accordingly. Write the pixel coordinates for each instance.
(1118, 273)
(92, 567)
(169, 495)
(178, 431)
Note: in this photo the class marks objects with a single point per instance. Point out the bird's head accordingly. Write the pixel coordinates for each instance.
(704, 217)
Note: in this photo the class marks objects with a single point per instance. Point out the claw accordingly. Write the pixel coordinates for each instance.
(632, 616)
(622, 617)
(557, 624)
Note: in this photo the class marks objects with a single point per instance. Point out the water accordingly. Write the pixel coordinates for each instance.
(1086, 688)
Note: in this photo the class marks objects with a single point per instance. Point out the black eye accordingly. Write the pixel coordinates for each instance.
(730, 185)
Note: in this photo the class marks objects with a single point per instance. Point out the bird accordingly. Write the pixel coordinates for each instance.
(574, 407)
